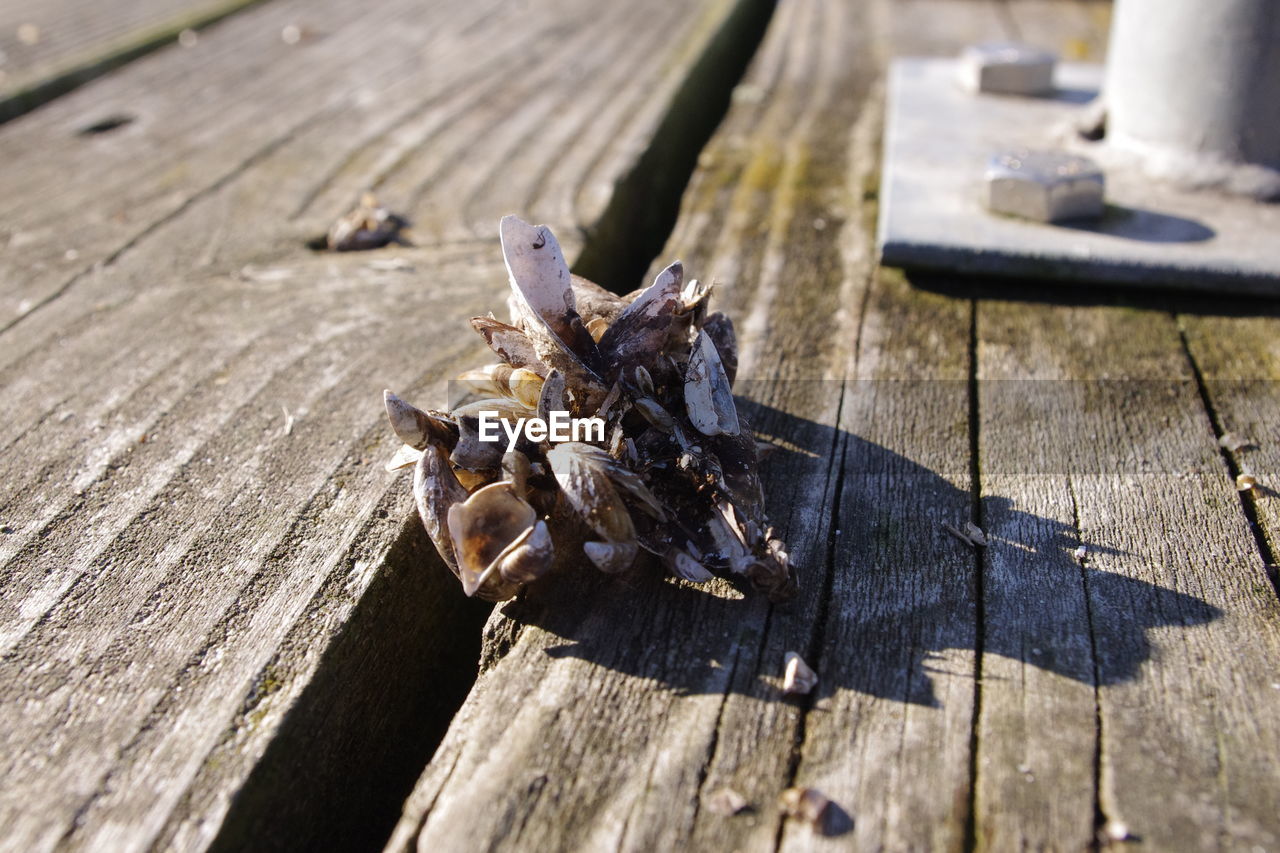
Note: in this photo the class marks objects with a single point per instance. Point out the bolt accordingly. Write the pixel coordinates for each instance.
(1045, 186)
(1007, 68)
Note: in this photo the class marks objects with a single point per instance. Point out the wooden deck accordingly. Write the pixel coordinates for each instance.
(221, 624)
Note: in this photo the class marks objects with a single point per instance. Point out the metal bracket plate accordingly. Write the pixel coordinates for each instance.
(938, 139)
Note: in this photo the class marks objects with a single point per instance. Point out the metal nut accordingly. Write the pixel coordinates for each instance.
(1007, 68)
(1045, 186)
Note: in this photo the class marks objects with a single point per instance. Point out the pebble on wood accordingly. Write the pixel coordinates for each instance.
(726, 801)
(798, 678)
(815, 808)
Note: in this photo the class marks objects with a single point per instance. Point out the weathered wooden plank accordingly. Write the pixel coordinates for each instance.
(49, 48)
(1037, 781)
(1237, 359)
(206, 573)
(1093, 414)
(889, 737)
(1117, 688)
(607, 713)
(777, 214)
(892, 741)
(269, 98)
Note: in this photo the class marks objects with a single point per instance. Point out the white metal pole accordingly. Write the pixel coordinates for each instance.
(1194, 87)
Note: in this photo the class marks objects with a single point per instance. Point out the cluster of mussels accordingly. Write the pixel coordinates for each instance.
(675, 473)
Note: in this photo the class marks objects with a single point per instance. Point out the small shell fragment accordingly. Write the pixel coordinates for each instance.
(1114, 830)
(1246, 482)
(814, 808)
(611, 557)
(972, 534)
(1081, 553)
(798, 678)
(1234, 443)
(975, 534)
(403, 458)
(368, 226)
(727, 802)
(687, 567)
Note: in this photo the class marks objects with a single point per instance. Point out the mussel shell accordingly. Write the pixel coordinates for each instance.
(485, 525)
(436, 491)
(584, 475)
(417, 428)
(639, 334)
(707, 393)
(529, 557)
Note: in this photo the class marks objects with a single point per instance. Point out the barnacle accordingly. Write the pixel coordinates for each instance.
(672, 473)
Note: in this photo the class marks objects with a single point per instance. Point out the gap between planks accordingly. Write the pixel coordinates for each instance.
(772, 213)
(724, 740)
(392, 555)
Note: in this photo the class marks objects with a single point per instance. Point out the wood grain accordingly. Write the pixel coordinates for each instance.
(222, 626)
(1235, 350)
(1003, 697)
(892, 742)
(1170, 619)
(49, 48)
(200, 600)
(777, 215)
(1094, 436)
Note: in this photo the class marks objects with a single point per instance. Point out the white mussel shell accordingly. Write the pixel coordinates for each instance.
(685, 566)
(639, 333)
(798, 678)
(543, 304)
(720, 329)
(611, 557)
(415, 427)
(707, 394)
(540, 278)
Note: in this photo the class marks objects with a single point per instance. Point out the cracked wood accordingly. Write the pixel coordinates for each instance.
(216, 628)
(51, 47)
(611, 716)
